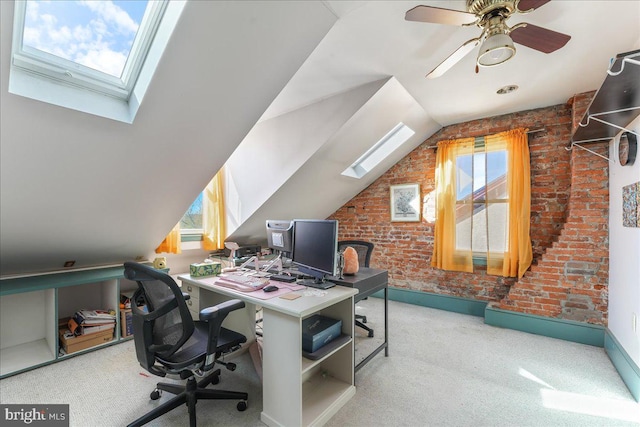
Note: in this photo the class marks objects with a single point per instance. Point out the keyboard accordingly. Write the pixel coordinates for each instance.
(242, 283)
(283, 278)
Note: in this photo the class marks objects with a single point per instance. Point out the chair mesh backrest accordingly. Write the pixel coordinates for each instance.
(166, 324)
(168, 329)
(363, 249)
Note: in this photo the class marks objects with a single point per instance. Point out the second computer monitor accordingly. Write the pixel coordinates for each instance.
(315, 247)
(280, 236)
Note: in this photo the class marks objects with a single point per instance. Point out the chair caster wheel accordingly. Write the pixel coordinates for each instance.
(242, 406)
(231, 366)
(155, 394)
(370, 334)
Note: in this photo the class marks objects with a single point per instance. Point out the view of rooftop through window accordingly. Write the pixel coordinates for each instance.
(96, 34)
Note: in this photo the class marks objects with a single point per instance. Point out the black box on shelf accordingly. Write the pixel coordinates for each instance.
(318, 330)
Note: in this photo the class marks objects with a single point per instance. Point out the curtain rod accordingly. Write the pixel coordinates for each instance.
(528, 132)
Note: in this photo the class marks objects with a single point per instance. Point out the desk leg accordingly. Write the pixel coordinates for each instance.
(386, 321)
(281, 369)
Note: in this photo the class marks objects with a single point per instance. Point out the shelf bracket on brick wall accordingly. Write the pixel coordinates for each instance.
(615, 105)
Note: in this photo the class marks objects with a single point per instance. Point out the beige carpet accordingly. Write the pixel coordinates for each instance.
(444, 369)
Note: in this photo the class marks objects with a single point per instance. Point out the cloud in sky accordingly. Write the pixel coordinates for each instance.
(97, 34)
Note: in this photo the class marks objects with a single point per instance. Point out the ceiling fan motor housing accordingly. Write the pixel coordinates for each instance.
(483, 7)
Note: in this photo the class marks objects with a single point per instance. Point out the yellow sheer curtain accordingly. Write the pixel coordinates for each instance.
(171, 243)
(518, 254)
(445, 255)
(450, 254)
(213, 223)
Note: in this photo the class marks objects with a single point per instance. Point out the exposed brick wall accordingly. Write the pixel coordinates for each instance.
(570, 281)
(558, 197)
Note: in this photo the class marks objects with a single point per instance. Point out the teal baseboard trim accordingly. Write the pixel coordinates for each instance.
(442, 302)
(628, 370)
(567, 330)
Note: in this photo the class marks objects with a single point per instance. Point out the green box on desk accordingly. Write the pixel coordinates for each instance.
(205, 269)
(319, 330)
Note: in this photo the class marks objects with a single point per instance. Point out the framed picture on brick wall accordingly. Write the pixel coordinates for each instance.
(405, 203)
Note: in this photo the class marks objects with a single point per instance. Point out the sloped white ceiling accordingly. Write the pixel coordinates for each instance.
(80, 187)
(331, 135)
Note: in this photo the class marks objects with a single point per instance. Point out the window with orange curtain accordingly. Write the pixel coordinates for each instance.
(203, 221)
(483, 204)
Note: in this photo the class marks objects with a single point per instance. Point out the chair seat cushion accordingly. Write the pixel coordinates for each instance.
(195, 349)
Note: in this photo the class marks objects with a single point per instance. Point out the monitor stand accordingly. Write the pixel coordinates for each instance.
(316, 283)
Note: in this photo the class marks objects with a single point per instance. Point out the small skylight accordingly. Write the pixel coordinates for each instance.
(79, 48)
(378, 152)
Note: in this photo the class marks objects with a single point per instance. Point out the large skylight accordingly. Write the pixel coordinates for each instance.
(379, 151)
(100, 46)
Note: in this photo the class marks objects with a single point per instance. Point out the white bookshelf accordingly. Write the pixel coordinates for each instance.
(32, 305)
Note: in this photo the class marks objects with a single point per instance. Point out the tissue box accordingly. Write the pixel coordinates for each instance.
(205, 269)
(319, 330)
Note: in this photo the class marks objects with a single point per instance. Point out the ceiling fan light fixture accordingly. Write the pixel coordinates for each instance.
(495, 50)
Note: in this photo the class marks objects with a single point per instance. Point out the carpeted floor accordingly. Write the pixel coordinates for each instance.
(444, 369)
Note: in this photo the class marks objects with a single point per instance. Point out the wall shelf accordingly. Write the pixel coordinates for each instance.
(616, 103)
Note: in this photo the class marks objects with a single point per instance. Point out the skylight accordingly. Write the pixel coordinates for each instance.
(379, 151)
(95, 47)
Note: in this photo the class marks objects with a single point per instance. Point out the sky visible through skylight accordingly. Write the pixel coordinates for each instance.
(97, 34)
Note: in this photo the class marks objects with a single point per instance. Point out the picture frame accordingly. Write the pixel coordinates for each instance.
(405, 202)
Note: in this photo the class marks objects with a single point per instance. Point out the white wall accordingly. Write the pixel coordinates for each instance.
(624, 257)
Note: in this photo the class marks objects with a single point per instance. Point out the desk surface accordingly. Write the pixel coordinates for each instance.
(300, 307)
(367, 281)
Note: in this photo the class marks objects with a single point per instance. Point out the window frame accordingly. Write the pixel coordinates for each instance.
(67, 72)
(480, 258)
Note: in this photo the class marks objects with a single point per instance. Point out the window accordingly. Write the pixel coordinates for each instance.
(380, 150)
(91, 56)
(483, 204)
(191, 222)
(482, 201)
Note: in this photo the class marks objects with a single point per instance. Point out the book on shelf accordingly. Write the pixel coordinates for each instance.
(82, 320)
(126, 322)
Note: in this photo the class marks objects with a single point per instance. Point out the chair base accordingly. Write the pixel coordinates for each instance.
(365, 327)
(189, 395)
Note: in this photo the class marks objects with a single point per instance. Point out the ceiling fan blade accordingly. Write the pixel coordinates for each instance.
(525, 6)
(453, 59)
(436, 15)
(538, 38)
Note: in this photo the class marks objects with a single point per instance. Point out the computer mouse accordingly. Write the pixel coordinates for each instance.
(270, 288)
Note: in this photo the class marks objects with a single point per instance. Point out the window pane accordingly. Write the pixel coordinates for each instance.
(192, 219)
(463, 226)
(497, 175)
(96, 34)
(464, 176)
(498, 226)
(482, 216)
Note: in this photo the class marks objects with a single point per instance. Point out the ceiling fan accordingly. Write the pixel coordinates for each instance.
(497, 38)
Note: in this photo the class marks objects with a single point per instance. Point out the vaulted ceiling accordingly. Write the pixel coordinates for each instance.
(290, 94)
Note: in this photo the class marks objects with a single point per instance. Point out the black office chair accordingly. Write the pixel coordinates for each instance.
(169, 341)
(363, 249)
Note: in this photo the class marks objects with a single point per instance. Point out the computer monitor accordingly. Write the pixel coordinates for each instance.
(315, 247)
(280, 236)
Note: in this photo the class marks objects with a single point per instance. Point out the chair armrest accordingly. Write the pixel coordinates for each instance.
(221, 309)
(186, 296)
(214, 316)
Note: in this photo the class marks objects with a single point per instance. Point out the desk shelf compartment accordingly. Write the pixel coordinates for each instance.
(28, 336)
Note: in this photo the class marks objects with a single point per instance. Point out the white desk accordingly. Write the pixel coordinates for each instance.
(296, 391)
